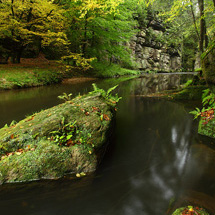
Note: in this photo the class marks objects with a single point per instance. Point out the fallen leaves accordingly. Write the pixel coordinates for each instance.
(207, 116)
(192, 211)
(104, 117)
(18, 152)
(96, 109)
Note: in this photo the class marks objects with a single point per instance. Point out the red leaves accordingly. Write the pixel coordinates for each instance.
(192, 211)
(106, 117)
(96, 109)
(207, 116)
(87, 113)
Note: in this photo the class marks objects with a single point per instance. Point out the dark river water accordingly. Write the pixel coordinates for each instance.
(155, 163)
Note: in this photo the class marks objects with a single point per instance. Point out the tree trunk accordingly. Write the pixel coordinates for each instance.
(194, 21)
(202, 26)
(16, 56)
(85, 38)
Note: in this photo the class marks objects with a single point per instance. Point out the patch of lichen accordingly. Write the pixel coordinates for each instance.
(27, 152)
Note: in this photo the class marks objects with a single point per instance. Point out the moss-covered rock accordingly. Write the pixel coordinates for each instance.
(42, 145)
(207, 129)
(190, 210)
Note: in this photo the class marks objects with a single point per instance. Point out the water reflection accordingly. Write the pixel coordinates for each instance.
(155, 83)
(156, 156)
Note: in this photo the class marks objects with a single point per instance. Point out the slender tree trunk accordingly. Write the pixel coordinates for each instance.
(214, 2)
(202, 26)
(194, 21)
(85, 37)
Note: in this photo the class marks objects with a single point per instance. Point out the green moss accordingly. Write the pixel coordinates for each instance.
(11, 78)
(28, 152)
(102, 70)
(207, 129)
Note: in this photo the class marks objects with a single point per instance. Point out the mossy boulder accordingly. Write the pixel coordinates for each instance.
(190, 210)
(42, 146)
(207, 129)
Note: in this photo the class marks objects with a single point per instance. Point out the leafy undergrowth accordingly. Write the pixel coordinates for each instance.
(190, 210)
(59, 140)
(206, 114)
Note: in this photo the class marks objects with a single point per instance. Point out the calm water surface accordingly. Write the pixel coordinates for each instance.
(156, 160)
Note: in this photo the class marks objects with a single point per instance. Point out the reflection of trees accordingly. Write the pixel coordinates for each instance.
(162, 152)
(155, 83)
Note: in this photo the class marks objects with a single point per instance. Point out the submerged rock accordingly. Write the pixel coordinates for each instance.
(67, 138)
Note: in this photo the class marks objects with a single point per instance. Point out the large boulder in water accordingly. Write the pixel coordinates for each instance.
(67, 138)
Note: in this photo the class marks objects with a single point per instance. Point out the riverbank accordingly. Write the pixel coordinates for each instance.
(37, 72)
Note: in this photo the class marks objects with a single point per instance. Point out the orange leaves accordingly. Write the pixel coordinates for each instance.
(106, 117)
(192, 211)
(207, 116)
(70, 142)
(87, 113)
(18, 152)
(96, 109)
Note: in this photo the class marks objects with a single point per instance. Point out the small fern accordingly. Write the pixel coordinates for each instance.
(106, 94)
(65, 96)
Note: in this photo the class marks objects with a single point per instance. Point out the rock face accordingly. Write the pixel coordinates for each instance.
(67, 138)
(149, 50)
(208, 67)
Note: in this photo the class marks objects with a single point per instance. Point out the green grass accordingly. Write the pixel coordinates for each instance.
(110, 71)
(20, 77)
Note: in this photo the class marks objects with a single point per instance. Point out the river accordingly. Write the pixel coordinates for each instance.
(155, 163)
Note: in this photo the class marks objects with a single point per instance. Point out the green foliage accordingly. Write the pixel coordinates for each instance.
(106, 94)
(38, 23)
(104, 70)
(188, 83)
(65, 96)
(207, 112)
(70, 134)
(25, 77)
(190, 210)
(65, 133)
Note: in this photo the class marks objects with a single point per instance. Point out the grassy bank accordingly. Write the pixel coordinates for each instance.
(31, 74)
(21, 77)
(111, 71)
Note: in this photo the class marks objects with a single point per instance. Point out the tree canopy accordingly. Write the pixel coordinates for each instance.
(85, 31)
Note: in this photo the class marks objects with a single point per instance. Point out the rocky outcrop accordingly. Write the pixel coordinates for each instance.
(150, 51)
(68, 138)
(208, 67)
